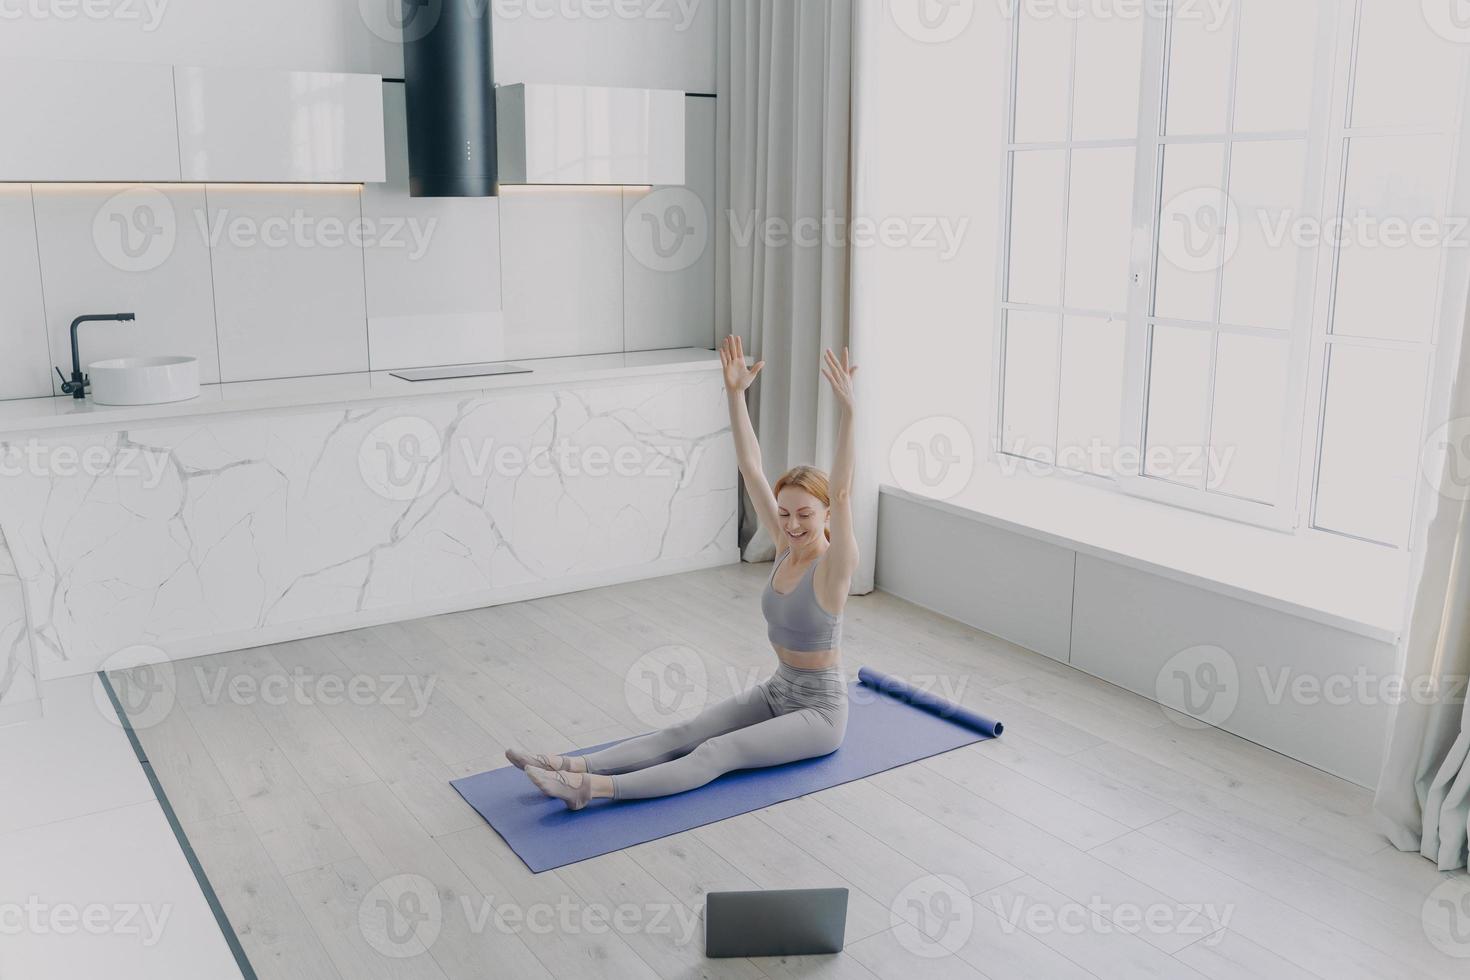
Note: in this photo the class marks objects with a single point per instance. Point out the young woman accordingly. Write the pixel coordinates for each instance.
(800, 712)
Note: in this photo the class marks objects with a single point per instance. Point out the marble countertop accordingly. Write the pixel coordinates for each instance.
(44, 414)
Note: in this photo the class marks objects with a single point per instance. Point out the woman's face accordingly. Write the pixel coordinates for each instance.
(803, 516)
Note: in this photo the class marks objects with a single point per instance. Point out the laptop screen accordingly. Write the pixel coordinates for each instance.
(790, 922)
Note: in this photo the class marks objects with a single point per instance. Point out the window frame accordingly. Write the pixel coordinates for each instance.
(1452, 281)
(1285, 510)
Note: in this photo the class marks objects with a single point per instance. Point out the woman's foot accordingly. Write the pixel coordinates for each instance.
(553, 763)
(574, 789)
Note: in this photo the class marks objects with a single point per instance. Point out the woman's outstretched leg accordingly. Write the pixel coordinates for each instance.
(740, 711)
(803, 734)
(744, 709)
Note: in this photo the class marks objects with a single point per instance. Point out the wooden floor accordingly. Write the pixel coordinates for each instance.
(1097, 837)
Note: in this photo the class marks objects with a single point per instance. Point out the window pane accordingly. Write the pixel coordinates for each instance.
(1245, 429)
(1178, 405)
(1192, 229)
(1100, 229)
(1278, 65)
(1261, 278)
(1388, 283)
(1092, 394)
(1029, 413)
(1407, 74)
(1370, 442)
(1037, 195)
(1109, 62)
(1199, 69)
(1043, 68)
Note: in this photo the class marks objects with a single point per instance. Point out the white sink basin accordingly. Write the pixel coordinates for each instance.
(144, 380)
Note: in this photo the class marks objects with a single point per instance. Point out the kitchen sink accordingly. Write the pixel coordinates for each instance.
(144, 380)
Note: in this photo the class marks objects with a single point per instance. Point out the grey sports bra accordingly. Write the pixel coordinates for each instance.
(795, 620)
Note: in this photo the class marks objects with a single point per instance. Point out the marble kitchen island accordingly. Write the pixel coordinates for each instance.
(267, 511)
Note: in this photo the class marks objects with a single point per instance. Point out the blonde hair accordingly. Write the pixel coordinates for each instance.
(810, 479)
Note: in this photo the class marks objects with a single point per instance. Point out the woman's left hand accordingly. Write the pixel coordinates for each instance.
(840, 375)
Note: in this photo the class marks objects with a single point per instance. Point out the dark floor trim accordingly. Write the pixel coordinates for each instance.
(231, 940)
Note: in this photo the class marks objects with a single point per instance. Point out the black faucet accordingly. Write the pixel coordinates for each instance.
(77, 386)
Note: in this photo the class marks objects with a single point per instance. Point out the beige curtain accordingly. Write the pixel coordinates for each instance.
(1424, 789)
(786, 96)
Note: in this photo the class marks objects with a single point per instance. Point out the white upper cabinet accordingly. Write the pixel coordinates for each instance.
(123, 123)
(577, 134)
(256, 126)
(87, 121)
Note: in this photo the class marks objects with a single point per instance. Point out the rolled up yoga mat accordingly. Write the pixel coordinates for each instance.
(898, 688)
(890, 723)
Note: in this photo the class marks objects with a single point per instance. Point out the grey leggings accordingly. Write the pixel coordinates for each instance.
(795, 714)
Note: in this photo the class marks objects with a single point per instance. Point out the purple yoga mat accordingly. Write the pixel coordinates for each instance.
(884, 730)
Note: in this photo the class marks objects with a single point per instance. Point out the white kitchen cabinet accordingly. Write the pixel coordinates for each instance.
(579, 134)
(259, 126)
(87, 121)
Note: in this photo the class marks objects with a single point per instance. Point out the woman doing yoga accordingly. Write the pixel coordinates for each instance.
(800, 712)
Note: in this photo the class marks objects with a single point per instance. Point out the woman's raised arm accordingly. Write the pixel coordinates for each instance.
(842, 556)
(738, 379)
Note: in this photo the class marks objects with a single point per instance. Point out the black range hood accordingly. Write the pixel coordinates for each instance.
(449, 80)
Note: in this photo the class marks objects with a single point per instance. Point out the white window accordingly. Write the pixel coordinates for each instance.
(1226, 234)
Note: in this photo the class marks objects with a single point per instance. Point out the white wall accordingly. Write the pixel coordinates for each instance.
(535, 273)
(935, 111)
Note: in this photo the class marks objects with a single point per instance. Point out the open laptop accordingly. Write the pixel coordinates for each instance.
(790, 922)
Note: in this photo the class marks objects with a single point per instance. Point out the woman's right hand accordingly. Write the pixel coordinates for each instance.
(732, 357)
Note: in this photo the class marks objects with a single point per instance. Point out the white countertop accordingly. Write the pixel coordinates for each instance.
(42, 414)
